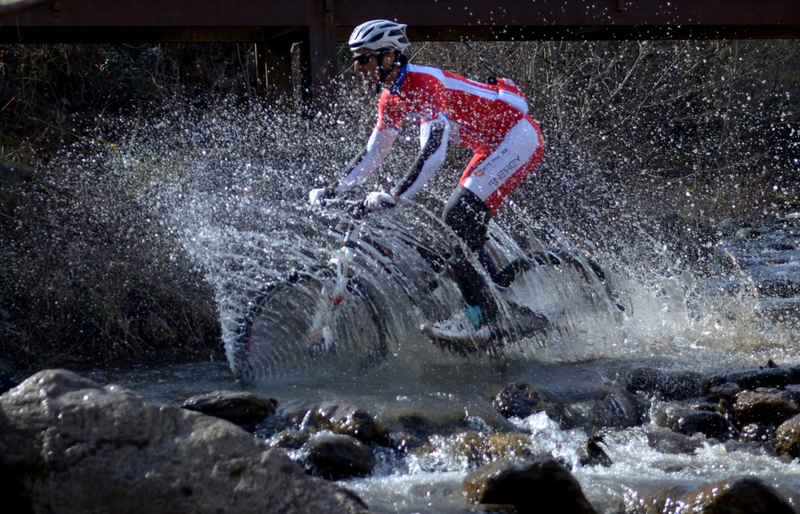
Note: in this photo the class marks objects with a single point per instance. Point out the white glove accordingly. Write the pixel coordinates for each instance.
(315, 195)
(378, 200)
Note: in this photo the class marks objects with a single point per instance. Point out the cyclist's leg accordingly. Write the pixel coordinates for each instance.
(468, 216)
(507, 165)
(491, 177)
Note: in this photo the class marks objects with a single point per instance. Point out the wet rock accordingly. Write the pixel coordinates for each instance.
(786, 439)
(766, 406)
(337, 457)
(347, 419)
(403, 441)
(443, 416)
(765, 377)
(519, 400)
(756, 433)
(667, 385)
(538, 485)
(243, 408)
(290, 439)
(666, 441)
(593, 454)
(726, 391)
(293, 414)
(605, 408)
(477, 449)
(692, 419)
(743, 496)
(60, 432)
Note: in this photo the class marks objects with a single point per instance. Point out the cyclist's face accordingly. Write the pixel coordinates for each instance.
(368, 71)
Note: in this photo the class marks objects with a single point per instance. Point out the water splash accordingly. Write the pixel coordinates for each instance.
(230, 186)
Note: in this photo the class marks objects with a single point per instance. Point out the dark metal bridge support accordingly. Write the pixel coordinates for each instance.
(318, 66)
(321, 45)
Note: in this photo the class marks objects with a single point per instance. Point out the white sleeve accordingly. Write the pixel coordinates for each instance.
(378, 146)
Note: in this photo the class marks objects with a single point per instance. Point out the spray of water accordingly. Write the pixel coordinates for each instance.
(229, 184)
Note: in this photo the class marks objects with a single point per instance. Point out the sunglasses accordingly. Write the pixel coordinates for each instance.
(364, 58)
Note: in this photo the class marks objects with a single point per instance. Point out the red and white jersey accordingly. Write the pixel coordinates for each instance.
(481, 114)
(490, 119)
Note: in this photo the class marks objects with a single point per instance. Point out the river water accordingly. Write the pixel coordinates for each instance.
(753, 322)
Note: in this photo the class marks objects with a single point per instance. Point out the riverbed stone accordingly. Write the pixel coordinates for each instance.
(726, 391)
(519, 399)
(75, 445)
(443, 416)
(289, 439)
(336, 457)
(347, 419)
(593, 454)
(476, 449)
(243, 408)
(737, 496)
(786, 439)
(691, 419)
(768, 376)
(402, 441)
(667, 385)
(667, 441)
(539, 484)
(756, 433)
(766, 406)
(603, 408)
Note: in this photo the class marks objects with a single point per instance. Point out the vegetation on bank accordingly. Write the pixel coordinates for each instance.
(705, 129)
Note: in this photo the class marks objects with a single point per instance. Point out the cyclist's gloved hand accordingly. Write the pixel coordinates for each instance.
(378, 200)
(321, 193)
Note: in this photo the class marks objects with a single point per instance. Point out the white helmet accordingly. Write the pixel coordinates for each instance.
(379, 34)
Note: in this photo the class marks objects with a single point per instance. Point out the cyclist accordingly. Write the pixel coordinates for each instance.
(491, 119)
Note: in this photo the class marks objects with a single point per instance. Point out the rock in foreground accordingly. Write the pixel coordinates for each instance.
(738, 496)
(78, 447)
(539, 485)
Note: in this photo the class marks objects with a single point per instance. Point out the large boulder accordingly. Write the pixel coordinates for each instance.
(76, 446)
(539, 485)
